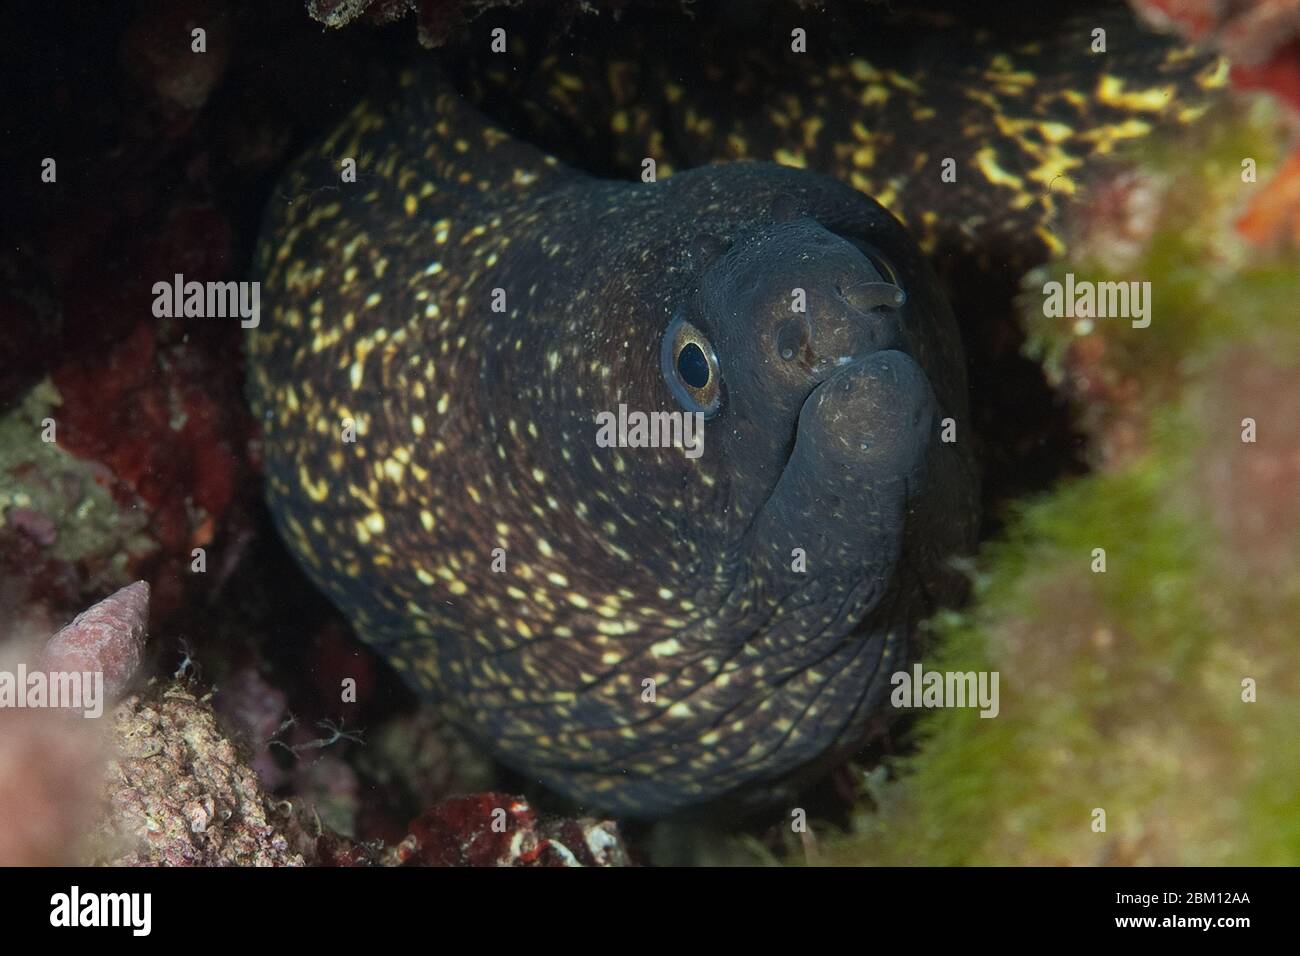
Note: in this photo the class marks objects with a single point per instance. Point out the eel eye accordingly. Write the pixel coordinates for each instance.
(690, 367)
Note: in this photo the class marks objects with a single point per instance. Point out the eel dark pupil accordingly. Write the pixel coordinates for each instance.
(693, 366)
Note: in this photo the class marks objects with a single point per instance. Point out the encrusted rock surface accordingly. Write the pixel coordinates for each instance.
(180, 794)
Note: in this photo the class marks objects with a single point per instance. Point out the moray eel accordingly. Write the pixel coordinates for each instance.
(1016, 95)
(640, 628)
(644, 629)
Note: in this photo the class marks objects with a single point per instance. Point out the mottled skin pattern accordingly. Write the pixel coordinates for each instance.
(475, 430)
(1017, 99)
(1012, 93)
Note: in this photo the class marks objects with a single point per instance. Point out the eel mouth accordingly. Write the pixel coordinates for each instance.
(869, 322)
(861, 443)
(830, 417)
(881, 400)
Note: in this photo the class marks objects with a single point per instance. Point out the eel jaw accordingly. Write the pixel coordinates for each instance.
(857, 472)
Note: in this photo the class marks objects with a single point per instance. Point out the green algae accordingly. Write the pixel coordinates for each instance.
(1123, 690)
(42, 477)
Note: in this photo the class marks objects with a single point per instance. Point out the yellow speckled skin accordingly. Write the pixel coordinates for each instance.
(1016, 97)
(626, 625)
(624, 568)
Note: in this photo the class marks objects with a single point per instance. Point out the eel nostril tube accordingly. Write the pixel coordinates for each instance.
(875, 295)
